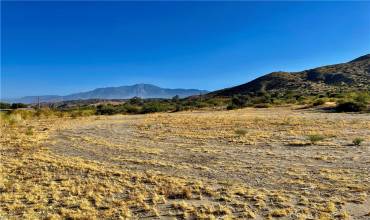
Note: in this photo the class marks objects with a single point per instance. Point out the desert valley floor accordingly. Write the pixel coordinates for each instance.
(240, 164)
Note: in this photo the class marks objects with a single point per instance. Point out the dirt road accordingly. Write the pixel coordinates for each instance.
(260, 148)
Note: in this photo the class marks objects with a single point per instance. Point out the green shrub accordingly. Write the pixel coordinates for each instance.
(179, 107)
(214, 102)
(18, 105)
(241, 132)
(136, 101)
(357, 141)
(29, 131)
(4, 105)
(176, 98)
(239, 100)
(132, 109)
(201, 104)
(276, 101)
(362, 97)
(318, 102)
(61, 114)
(82, 112)
(314, 138)
(262, 105)
(105, 110)
(350, 107)
(154, 107)
(261, 100)
(231, 107)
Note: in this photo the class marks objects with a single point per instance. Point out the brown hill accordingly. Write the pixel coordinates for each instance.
(354, 75)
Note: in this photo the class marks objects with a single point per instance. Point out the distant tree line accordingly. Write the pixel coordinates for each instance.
(4, 105)
(357, 101)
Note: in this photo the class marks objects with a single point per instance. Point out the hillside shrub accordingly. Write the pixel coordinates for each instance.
(4, 105)
(262, 105)
(350, 106)
(82, 113)
(214, 102)
(231, 107)
(363, 98)
(18, 105)
(136, 101)
(239, 100)
(105, 110)
(154, 107)
(318, 102)
(201, 104)
(261, 100)
(132, 109)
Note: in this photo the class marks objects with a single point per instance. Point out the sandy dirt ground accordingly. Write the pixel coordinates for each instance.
(249, 163)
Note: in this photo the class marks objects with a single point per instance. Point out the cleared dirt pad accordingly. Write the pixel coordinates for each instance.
(250, 163)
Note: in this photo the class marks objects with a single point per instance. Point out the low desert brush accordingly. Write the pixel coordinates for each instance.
(357, 141)
(241, 132)
(314, 138)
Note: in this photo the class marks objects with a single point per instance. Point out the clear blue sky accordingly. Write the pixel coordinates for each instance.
(66, 47)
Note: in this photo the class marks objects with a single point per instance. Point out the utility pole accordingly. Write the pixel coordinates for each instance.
(38, 102)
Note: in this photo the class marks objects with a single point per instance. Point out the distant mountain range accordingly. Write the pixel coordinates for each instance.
(353, 75)
(121, 92)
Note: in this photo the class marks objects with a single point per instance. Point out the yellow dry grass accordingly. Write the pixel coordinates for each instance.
(191, 165)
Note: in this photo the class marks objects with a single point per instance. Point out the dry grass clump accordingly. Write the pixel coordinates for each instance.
(279, 212)
(314, 138)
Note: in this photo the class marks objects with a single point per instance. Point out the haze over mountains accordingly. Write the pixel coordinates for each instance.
(121, 92)
(353, 75)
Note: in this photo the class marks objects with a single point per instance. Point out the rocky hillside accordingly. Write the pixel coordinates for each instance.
(354, 75)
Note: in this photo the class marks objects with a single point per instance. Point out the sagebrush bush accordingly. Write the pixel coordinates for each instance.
(231, 107)
(357, 141)
(29, 131)
(262, 105)
(362, 97)
(154, 107)
(132, 109)
(318, 102)
(82, 113)
(314, 138)
(106, 110)
(241, 132)
(350, 107)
